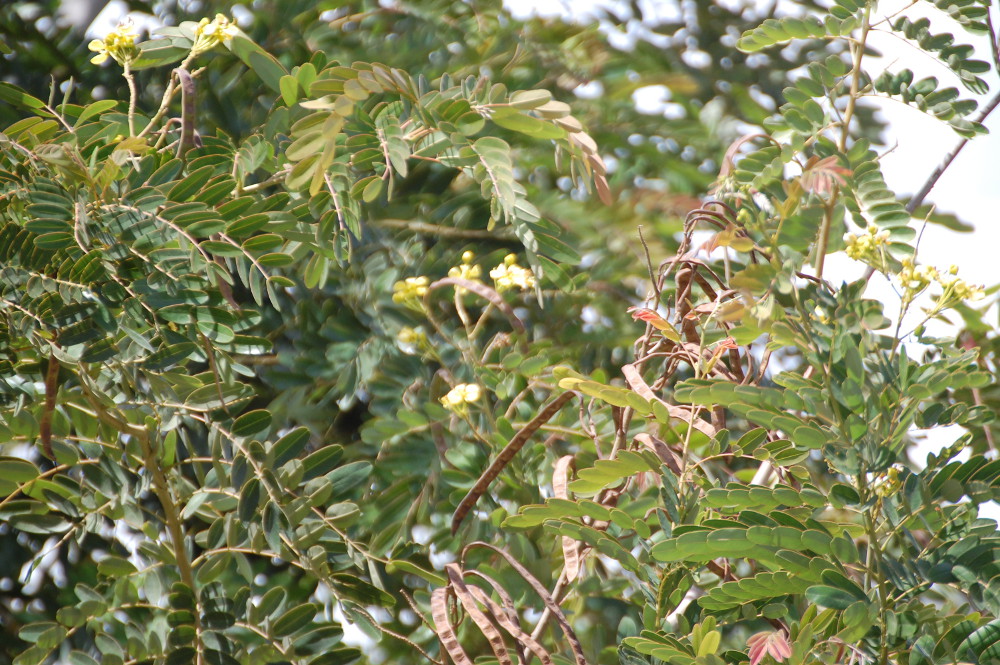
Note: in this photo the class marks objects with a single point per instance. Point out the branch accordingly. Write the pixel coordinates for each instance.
(919, 197)
(505, 456)
(486, 293)
(171, 514)
(443, 231)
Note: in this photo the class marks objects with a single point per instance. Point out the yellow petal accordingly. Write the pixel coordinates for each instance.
(96, 45)
(99, 58)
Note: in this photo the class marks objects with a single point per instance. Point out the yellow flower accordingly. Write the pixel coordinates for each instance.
(209, 34)
(867, 246)
(819, 315)
(509, 275)
(466, 271)
(460, 395)
(410, 340)
(119, 44)
(889, 484)
(410, 290)
(963, 290)
(914, 279)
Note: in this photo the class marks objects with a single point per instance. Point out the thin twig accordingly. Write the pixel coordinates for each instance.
(444, 231)
(168, 95)
(994, 39)
(546, 613)
(133, 94)
(649, 267)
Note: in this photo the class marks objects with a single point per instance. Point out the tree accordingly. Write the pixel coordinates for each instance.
(290, 331)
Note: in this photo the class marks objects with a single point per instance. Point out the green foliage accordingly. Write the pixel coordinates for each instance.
(268, 352)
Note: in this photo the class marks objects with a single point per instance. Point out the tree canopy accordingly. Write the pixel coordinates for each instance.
(402, 319)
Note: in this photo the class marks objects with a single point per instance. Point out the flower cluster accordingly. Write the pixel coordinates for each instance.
(460, 395)
(466, 270)
(410, 290)
(867, 246)
(914, 279)
(888, 484)
(209, 34)
(119, 44)
(959, 288)
(411, 340)
(509, 275)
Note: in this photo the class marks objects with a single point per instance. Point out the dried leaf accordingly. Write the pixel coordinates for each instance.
(603, 190)
(443, 628)
(570, 547)
(654, 319)
(515, 630)
(583, 141)
(491, 632)
(639, 385)
(505, 456)
(543, 593)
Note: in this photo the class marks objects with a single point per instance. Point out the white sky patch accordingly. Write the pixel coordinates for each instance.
(589, 90)
(580, 9)
(44, 564)
(440, 558)
(242, 16)
(696, 58)
(651, 99)
(672, 111)
(113, 13)
(355, 637)
(422, 534)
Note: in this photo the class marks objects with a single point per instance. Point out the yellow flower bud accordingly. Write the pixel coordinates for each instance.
(466, 271)
(460, 395)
